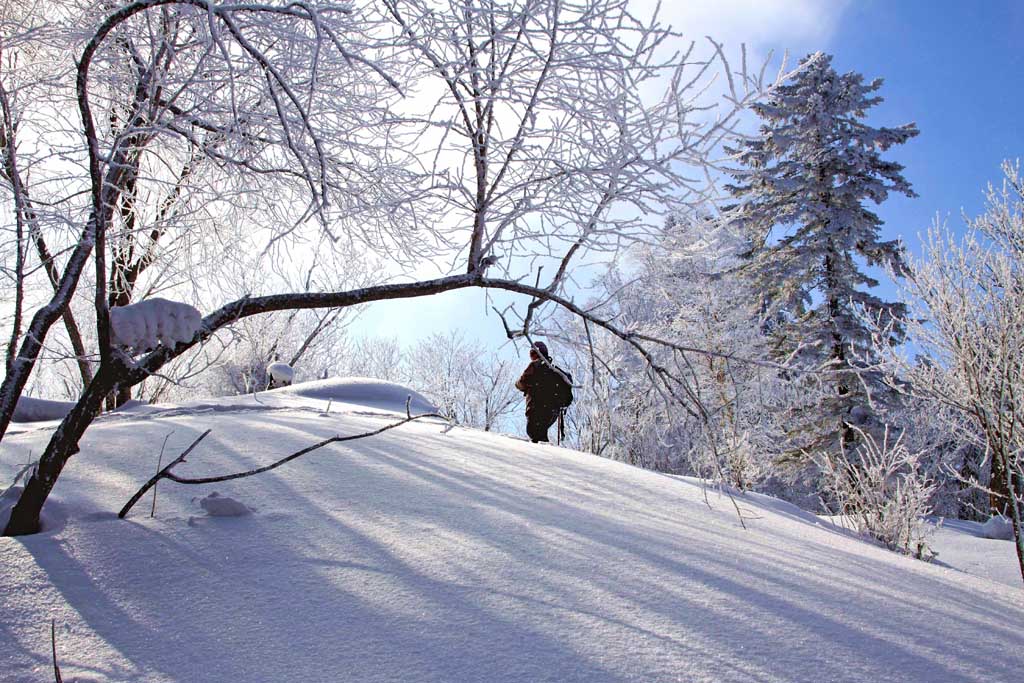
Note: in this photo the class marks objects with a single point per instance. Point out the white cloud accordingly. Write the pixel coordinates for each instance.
(763, 25)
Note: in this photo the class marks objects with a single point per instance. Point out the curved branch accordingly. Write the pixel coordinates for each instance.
(166, 473)
(124, 371)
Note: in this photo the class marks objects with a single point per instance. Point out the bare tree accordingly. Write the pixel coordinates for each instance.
(472, 386)
(967, 319)
(438, 367)
(494, 383)
(234, 80)
(546, 147)
(30, 64)
(378, 357)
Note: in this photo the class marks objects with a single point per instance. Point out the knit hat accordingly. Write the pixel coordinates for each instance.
(542, 349)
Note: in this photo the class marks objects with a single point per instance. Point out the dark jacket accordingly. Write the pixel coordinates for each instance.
(540, 385)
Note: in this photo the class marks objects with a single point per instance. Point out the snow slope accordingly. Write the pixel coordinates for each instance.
(962, 544)
(38, 410)
(462, 556)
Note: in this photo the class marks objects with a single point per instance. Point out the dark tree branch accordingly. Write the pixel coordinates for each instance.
(166, 473)
(124, 371)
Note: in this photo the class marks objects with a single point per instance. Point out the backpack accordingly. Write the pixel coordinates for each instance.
(563, 389)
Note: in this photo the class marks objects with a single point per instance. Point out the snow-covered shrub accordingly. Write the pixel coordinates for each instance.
(280, 374)
(883, 490)
(142, 326)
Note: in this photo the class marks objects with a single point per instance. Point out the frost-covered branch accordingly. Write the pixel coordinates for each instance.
(543, 133)
(967, 322)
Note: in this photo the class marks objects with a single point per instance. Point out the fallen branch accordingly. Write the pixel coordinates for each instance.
(166, 473)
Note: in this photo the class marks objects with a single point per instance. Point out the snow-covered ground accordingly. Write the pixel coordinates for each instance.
(961, 545)
(419, 555)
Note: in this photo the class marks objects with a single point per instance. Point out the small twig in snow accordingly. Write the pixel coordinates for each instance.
(53, 648)
(21, 473)
(159, 462)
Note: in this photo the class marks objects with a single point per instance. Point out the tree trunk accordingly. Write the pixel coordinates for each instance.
(999, 499)
(63, 444)
(847, 436)
(32, 343)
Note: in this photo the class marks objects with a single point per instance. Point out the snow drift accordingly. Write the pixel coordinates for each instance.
(364, 391)
(998, 527)
(459, 556)
(40, 410)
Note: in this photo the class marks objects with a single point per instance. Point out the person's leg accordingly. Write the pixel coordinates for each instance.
(536, 428)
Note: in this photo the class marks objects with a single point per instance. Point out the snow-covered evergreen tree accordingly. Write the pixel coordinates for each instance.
(802, 195)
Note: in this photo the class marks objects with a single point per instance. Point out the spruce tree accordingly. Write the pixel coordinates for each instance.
(802, 192)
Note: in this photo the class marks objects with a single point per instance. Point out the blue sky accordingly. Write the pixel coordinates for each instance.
(953, 67)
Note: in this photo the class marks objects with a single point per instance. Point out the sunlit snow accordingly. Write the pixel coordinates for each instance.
(426, 555)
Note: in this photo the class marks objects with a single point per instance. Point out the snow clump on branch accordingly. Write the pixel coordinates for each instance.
(142, 326)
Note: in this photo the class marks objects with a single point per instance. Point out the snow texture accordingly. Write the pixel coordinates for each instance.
(142, 326)
(459, 556)
(962, 544)
(281, 372)
(998, 527)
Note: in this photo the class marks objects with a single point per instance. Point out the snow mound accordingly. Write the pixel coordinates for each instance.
(43, 410)
(142, 326)
(364, 391)
(998, 527)
(40, 410)
(217, 505)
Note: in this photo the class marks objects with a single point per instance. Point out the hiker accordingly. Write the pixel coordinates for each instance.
(548, 393)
